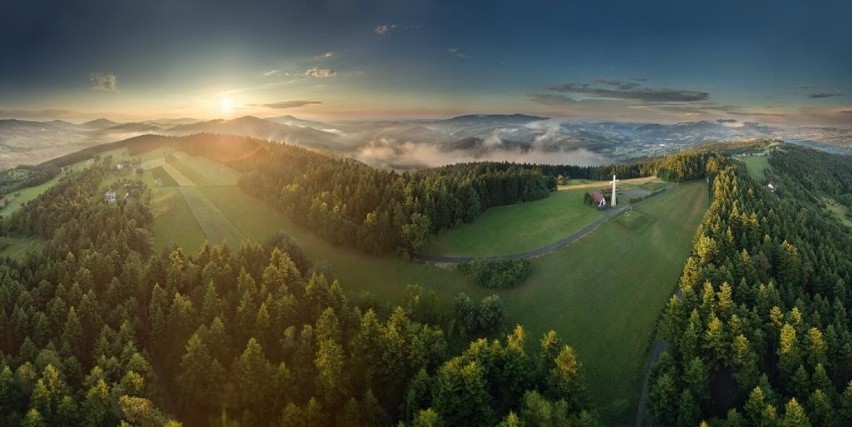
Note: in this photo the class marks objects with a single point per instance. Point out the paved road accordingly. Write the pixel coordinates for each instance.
(653, 358)
(529, 254)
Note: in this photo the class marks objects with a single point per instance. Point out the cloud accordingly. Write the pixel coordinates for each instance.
(404, 154)
(637, 78)
(618, 83)
(643, 94)
(726, 121)
(808, 87)
(46, 114)
(384, 30)
(320, 72)
(276, 73)
(104, 82)
(846, 111)
(327, 55)
(551, 100)
(289, 104)
(824, 94)
(457, 53)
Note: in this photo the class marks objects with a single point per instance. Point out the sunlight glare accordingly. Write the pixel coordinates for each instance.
(227, 105)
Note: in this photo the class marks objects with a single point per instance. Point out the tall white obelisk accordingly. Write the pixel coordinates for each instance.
(613, 190)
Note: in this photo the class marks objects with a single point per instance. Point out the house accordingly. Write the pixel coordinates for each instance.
(772, 186)
(138, 186)
(122, 164)
(109, 197)
(598, 200)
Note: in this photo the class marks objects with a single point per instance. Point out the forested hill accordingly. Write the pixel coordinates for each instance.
(760, 332)
(96, 330)
(347, 202)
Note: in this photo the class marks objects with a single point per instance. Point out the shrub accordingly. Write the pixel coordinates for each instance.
(497, 274)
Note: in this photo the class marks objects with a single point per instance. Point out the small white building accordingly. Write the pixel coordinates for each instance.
(109, 197)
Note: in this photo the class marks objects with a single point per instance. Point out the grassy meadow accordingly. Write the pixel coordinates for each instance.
(518, 228)
(756, 165)
(602, 294)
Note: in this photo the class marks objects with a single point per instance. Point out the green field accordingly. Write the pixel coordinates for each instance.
(174, 223)
(20, 247)
(186, 176)
(212, 221)
(756, 165)
(518, 228)
(839, 211)
(213, 172)
(166, 180)
(602, 294)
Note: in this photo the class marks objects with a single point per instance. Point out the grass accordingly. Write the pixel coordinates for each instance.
(187, 171)
(22, 246)
(518, 228)
(177, 176)
(623, 184)
(756, 165)
(212, 221)
(602, 294)
(632, 219)
(214, 172)
(166, 180)
(30, 193)
(174, 223)
(839, 211)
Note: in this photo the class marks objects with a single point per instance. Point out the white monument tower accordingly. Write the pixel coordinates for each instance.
(613, 189)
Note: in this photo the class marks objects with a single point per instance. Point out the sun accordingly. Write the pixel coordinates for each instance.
(227, 105)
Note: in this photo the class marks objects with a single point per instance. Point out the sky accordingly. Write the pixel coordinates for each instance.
(782, 61)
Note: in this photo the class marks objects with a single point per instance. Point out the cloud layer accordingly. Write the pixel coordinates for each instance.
(289, 104)
(384, 29)
(616, 89)
(320, 72)
(104, 82)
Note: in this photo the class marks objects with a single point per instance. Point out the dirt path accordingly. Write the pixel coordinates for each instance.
(544, 250)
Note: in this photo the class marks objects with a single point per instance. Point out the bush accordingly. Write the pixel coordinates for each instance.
(497, 274)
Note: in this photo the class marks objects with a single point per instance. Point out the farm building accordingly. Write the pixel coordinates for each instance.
(138, 186)
(598, 200)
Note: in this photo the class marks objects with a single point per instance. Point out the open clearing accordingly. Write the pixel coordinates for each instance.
(756, 165)
(20, 247)
(602, 294)
(518, 228)
(839, 211)
(213, 172)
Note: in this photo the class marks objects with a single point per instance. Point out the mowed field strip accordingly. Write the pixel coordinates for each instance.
(214, 172)
(213, 223)
(176, 175)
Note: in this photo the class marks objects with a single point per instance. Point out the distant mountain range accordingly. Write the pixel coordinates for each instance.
(405, 144)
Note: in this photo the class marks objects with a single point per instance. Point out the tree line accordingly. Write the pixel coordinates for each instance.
(759, 332)
(348, 202)
(98, 330)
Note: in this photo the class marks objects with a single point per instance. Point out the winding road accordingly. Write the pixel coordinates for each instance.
(445, 259)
